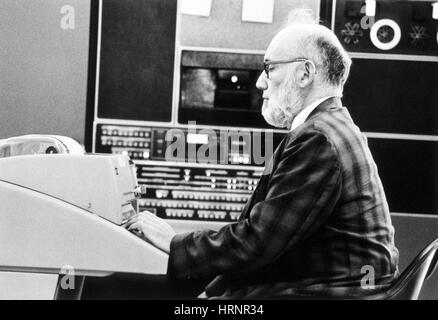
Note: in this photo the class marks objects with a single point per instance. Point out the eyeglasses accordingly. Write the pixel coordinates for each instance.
(269, 63)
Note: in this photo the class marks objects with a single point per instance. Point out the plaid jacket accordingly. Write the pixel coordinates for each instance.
(318, 221)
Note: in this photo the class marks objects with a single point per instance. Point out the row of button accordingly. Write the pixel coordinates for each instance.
(239, 159)
(134, 154)
(122, 143)
(218, 215)
(209, 197)
(248, 181)
(241, 187)
(191, 205)
(139, 155)
(125, 133)
(234, 215)
(161, 193)
(179, 213)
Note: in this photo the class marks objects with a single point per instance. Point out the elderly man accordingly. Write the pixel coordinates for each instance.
(318, 222)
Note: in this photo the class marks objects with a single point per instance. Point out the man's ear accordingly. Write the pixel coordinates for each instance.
(306, 74)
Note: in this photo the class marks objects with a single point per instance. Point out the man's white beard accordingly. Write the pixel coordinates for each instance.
(280, 110)
(273, 114)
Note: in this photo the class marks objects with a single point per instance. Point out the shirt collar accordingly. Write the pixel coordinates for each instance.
(302, 116)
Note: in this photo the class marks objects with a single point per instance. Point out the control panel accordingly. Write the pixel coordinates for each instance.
(196, 193)
(192, 173)
(188, 144)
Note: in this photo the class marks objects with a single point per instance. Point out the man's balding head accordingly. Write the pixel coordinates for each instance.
(317, 43)
(303, 63)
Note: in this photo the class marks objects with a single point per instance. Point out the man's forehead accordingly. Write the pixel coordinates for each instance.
(283, 45)
(276, 53)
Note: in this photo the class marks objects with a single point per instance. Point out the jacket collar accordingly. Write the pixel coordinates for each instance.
(329, 104)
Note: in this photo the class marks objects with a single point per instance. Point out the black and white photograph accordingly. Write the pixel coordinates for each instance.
(215, 156)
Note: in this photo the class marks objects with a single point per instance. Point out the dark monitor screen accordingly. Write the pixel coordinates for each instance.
(220, 89)
(224, 89)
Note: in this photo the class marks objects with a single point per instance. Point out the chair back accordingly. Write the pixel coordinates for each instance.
(408, 285)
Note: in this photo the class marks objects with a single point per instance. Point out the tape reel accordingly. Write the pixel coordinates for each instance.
(385, 29)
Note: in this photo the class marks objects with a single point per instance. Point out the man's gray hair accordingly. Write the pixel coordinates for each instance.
(334, 59)
(322, 45)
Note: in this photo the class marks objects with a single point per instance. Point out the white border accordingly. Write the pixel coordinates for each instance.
(389, 56)
(333, 14)
(401, 136)
(177, 65)
(96, 80)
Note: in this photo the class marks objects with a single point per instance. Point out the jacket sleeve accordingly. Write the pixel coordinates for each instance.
(302, 192)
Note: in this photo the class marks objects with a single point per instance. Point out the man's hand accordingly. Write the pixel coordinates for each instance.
(154, 229)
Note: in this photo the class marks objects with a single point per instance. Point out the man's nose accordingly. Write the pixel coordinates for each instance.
(261, 83)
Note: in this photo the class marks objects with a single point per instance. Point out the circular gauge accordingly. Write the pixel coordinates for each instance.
(51, 150)
(385, 34)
